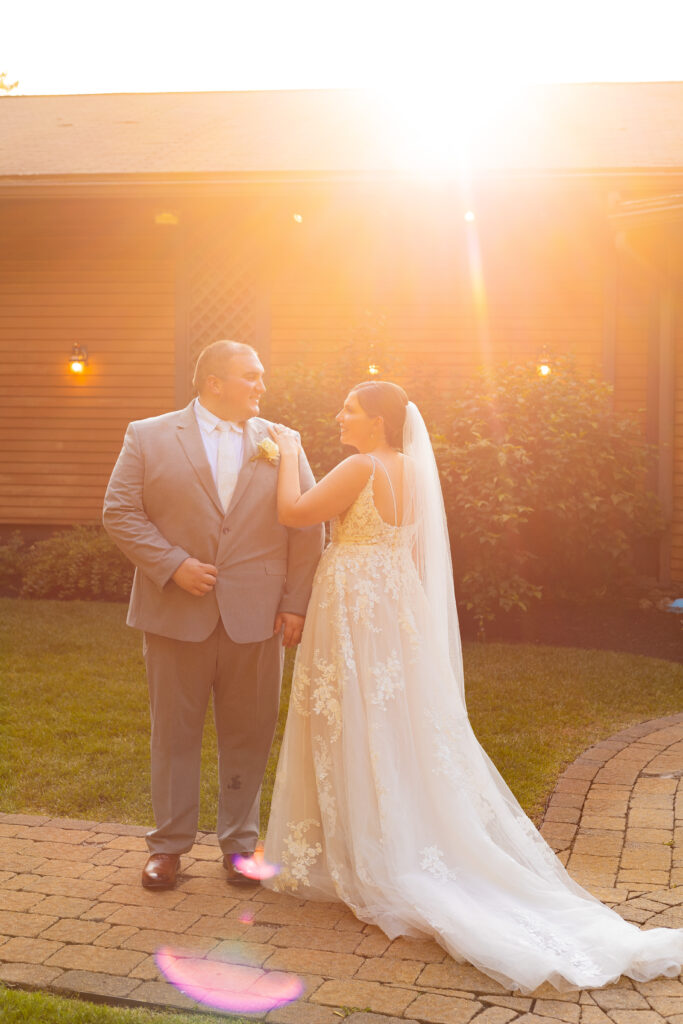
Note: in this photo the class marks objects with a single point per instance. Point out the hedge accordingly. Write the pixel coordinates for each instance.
(74, 564)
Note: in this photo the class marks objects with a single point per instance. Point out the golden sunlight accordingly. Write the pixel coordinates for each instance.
(444, 127)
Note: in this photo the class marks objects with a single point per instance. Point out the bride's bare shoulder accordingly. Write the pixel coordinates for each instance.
(344, 483)
(331, 496)
(353, 468)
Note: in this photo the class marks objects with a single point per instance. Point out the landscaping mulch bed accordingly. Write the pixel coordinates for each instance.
(657, 634)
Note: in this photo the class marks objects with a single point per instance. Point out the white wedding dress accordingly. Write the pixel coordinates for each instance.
(384, 798)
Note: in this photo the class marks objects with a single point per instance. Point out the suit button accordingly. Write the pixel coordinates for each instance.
(226, 529)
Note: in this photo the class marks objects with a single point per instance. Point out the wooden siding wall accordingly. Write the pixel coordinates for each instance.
(76, 278)
(452, 295)
(647, 256)
(635, 301)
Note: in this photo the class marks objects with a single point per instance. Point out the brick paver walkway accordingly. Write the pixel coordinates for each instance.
(73, 917)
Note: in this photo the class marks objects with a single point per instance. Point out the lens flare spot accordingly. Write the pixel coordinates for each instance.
(247, 917)
(234, 987)
(256, 866)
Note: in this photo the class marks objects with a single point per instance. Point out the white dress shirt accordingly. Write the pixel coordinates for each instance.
(228, 442)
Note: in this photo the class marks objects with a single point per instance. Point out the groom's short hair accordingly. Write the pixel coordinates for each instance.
(214, 358)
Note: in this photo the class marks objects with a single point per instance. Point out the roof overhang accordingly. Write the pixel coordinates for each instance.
(661, 209)
(223, 184)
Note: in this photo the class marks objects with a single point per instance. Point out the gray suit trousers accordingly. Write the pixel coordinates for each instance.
(245, 681)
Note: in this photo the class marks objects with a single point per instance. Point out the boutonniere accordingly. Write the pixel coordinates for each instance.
(266, 451)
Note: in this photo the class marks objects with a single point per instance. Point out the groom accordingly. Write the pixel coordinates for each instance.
(219, 586)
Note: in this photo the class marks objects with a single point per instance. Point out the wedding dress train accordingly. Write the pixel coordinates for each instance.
(384, 798)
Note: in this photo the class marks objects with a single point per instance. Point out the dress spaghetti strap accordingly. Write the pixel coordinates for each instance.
(391, 486)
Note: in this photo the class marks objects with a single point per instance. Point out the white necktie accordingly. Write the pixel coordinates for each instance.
(227, 469)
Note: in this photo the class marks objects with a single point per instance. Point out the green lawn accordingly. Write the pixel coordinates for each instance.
(74, 717)
(17, 1007)
(535, 709)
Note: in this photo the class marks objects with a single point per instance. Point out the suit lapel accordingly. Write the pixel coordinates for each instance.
(190, 438)
(252, 435)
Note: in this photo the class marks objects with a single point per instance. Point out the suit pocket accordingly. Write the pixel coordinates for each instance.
(276, 567)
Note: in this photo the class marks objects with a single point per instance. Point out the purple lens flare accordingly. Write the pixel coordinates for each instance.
(234, 987)
(255, 867)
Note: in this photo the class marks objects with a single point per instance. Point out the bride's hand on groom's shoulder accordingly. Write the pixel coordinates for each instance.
(287, 440)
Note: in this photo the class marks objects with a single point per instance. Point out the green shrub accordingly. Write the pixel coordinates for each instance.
(486, 514)
(11, 564)
(79, 563)
(546, 489)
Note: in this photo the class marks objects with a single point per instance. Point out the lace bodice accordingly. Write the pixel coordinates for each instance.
(363, 524)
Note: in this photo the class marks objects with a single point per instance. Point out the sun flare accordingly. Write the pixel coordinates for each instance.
(449, 125)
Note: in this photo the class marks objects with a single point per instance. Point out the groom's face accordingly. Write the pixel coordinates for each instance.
(235, 393)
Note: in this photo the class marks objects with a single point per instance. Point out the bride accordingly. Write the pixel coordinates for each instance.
(383, 797)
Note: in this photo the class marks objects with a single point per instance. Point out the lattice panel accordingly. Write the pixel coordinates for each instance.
(223, 298)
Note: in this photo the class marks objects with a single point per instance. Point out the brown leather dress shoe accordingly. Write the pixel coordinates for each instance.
(235, 877)
(160, 870)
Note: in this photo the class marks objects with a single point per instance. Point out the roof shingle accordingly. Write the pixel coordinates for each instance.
(560, 128)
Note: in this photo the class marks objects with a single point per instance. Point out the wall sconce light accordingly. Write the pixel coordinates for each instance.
(166, 217)
(78, 360)
(297, 218)
(373, 369)
(544, 367)
(469, 216)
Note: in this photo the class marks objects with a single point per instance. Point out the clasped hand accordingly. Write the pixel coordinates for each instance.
(196, 577)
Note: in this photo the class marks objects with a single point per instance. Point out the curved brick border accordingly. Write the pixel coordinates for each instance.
(74, 919)
(613, 815)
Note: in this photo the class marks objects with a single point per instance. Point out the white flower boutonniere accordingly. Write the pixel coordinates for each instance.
(267, 451)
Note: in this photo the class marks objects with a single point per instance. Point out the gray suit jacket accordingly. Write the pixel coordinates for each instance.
(162, 507)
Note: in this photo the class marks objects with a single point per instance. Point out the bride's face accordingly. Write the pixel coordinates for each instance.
(356, 428)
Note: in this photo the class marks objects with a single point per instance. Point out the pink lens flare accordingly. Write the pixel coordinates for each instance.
(234, 987)
(247, 917)
(256, 866)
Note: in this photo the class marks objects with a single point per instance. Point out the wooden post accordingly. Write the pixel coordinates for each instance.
(182, 332)
(609, 313)
(610, 300)
(667, 385)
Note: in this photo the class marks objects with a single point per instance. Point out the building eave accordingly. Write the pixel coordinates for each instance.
(661, 209)
(215, 184)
